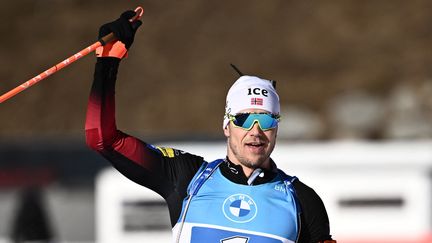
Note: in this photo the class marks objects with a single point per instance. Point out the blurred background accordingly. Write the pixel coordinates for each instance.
(348, 72)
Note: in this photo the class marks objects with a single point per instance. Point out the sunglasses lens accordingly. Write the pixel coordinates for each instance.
(240, 119)
(246, 120)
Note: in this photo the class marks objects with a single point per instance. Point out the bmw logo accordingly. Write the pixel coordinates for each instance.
(239, 208)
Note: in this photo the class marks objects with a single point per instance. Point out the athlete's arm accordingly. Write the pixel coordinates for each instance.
(167, 172)
(315, 225)
(159, 170)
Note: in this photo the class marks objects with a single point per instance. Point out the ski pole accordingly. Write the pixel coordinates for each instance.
(106, 39)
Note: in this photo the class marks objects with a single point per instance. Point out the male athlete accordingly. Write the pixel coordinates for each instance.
(240, 198)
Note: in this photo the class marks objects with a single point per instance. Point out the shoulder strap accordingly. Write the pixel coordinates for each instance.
(203, 174)
(289, 186)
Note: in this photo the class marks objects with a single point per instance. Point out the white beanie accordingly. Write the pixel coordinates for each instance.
(250, 92)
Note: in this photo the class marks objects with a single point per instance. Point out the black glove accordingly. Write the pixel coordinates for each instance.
(122, 28)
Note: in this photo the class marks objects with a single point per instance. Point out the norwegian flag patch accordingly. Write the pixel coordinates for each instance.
(256, 101)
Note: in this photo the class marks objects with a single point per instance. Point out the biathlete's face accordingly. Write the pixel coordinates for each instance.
(252, 139)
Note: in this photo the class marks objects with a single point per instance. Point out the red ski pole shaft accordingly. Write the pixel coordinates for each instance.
(49, 72)
(106, 39)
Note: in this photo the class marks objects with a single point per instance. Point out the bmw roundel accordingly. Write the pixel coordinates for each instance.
(239, 208)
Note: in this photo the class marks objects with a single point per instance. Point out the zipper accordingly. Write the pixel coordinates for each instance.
(289, 186)
(183, 219)
(299, 227)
